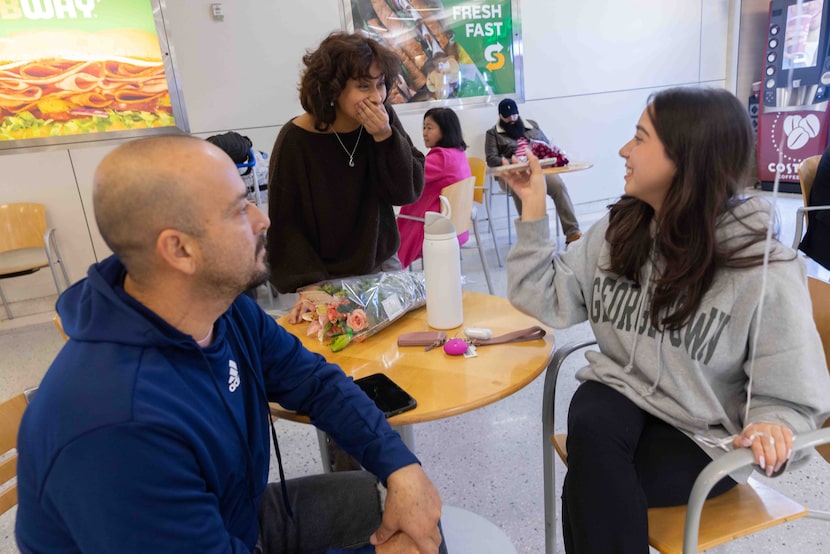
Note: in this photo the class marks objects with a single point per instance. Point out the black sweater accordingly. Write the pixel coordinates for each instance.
(330, 220)
(816, 243)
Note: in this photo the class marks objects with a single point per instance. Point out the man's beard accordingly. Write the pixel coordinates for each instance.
(514, 130)
(260, 277)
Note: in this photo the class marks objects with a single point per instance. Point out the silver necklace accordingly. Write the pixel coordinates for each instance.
(346, 150)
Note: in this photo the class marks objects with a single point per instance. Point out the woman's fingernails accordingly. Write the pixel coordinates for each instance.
(762, 462)
(789, 453)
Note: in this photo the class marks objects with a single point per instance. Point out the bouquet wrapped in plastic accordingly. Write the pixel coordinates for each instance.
(341, 311)
(543, 151)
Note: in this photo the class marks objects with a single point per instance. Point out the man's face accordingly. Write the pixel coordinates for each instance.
(233, 245)
(509, 119)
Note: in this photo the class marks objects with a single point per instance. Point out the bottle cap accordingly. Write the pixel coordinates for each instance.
(438, 226)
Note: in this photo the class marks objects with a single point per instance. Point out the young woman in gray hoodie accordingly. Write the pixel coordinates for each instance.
(672, 283)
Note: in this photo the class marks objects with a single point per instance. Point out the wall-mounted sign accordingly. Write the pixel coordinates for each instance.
(449, 49)
(72, 70)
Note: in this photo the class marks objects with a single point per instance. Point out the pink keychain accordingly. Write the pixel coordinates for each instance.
(455, 347)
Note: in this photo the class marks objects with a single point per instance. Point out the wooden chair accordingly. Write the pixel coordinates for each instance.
(507, 193)
(56, 319)
(806, 175)
(464, 215)
(478, 167)
(701, 524)
(11, 412)
(23, 233)
(459, 197)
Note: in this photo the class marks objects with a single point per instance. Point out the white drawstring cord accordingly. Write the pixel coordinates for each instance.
(643, 294)
(765, 268)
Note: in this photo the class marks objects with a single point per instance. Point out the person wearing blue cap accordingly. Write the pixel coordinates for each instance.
(512, 137)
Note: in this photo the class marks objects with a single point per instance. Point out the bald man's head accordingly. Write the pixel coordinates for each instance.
(148, 185)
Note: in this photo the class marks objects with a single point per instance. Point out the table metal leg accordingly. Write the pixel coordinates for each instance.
(407, 435)
(324, 450)
(406, 432)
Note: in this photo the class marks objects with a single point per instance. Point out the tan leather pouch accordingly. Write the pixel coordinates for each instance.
(422, 338)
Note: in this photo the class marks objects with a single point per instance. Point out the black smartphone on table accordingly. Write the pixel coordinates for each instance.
(388, 396)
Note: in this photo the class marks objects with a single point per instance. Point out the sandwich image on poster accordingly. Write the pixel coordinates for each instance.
(57, 81)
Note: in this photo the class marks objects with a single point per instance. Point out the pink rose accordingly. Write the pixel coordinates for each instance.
(333, 314)
(357, 320)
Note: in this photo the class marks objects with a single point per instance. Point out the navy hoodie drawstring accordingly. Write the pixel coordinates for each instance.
(653, 387)
(644, 293)
(283, 486)
(261, 388)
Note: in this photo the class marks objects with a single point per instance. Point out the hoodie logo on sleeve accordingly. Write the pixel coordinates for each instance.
(233, 376)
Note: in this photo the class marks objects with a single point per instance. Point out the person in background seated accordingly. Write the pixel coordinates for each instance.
(446, 163)
(338, 169)
(150, 431)
(816, 241)
(511, 137)
(671, 283)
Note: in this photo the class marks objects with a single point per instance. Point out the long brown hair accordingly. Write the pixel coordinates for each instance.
(708, 136)
(340, 57)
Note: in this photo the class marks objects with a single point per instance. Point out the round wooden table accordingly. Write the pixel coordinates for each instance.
(443, 385)
(496, 171)
(570, 168)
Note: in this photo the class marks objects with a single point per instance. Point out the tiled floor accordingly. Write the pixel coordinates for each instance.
(488, 461)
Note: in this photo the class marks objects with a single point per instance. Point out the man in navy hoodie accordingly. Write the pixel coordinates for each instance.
(150, 433)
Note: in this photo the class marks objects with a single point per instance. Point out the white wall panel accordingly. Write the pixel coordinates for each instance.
(47, 178)
(85, 161)
(714, 39)
(243, 71)
(591, 46)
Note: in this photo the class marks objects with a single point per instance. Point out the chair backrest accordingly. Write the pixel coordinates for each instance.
(56, 319)
(460, 196)
(22, 226)
(11, 412)
(806, 175)
(478, 167)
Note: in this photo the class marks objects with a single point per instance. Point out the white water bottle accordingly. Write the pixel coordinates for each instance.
(442, 272)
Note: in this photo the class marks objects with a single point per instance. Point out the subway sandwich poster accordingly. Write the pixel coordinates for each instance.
(449, 49)
(72, 68)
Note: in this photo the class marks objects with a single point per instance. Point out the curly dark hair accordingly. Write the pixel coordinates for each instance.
(447, 121)
(707, 134)
(340, 57)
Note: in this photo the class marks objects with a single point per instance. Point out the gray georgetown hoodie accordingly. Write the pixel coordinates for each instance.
(694, 378)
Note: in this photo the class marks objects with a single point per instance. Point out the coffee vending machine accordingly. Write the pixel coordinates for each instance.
(795, 89)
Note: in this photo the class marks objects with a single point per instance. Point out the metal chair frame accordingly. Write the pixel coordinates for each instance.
(708, 478)
(449, 192)
(34, 235)
(481, 196)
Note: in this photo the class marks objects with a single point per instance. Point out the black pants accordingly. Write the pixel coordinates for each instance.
(622, 461)
(334, 513)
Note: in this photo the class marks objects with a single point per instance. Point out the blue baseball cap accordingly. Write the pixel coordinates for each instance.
(507, 107)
